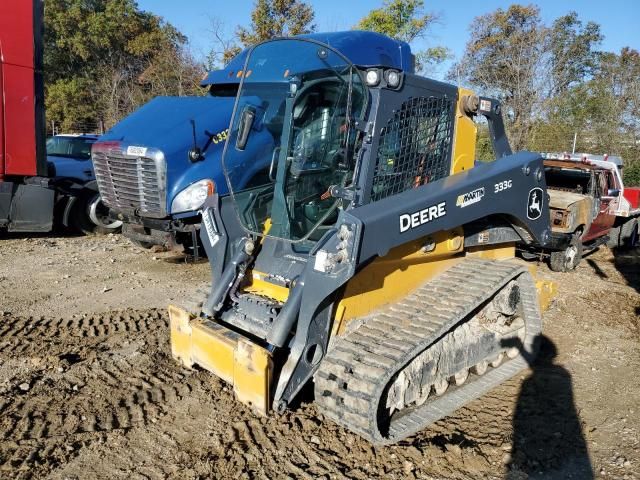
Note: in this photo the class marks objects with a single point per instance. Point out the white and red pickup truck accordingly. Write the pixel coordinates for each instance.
(589, 206)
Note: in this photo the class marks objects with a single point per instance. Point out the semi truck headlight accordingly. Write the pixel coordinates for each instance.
(192, 197)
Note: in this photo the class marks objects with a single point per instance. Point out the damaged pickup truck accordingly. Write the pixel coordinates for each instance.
(588, 208)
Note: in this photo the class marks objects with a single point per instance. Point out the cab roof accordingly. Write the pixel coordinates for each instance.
(362, 48)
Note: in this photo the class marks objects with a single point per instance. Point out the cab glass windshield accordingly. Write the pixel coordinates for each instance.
(306, 98)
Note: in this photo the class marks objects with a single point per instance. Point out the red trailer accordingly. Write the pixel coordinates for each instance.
(26, 201)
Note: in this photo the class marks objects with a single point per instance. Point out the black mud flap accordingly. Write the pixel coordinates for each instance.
(31, 209)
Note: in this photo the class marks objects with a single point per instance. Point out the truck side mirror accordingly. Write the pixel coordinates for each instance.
(613, 192)
(246, 122)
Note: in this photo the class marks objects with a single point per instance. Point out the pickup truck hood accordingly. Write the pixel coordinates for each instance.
(562, 200)
(165, 123)
(78, 169)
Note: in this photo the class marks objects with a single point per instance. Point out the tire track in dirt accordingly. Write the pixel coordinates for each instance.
(112, 399)
(86, 326)
(128, 381)
(108, 382)
(223, 439)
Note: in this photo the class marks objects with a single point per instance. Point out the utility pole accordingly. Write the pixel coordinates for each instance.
(575, 138)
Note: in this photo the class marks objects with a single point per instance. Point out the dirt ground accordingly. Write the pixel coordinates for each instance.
(88, 388)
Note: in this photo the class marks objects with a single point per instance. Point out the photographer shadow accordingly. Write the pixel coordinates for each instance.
(548, 441)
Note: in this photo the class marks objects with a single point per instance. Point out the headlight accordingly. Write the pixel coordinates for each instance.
(192, 197)
(372, 77)
(393, 78)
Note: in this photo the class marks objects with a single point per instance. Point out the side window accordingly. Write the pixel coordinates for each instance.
(602, 184)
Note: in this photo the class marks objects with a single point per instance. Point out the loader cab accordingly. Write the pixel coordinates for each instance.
(308, 97)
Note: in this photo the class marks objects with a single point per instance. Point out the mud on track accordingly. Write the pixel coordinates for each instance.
(97, 395)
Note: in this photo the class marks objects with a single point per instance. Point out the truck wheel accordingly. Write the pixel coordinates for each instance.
(614, 238)
(629, 233)
(568, 259)
(89, 215)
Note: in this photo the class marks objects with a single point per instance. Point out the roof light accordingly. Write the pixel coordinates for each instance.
(372, 78)
(393, 78)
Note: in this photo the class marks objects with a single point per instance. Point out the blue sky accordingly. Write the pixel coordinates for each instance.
(618, 18)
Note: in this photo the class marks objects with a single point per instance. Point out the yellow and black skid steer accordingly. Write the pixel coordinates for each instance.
(375, 257)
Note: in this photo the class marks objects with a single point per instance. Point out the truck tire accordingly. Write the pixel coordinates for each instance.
(614, 237)
(625, 235)
(89, 215)
(568, 259)
(629, 234)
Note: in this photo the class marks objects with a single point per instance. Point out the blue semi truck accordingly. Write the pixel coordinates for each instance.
(156, 167)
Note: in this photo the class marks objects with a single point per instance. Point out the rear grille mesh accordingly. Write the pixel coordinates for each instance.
(130, 183)
(415, 146)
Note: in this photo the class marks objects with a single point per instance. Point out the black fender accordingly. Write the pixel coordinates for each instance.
(74, 189)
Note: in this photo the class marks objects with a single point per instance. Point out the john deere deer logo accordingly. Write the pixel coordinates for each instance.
(534, 204)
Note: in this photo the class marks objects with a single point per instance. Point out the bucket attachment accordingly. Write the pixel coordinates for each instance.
(232, 357)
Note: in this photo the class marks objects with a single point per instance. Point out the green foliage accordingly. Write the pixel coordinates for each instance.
(631, 174)
(103, 58)
(405, 20)
(70, 103)
(533, 69)
(572, 49)
(484, 148)
(601, 110)
(277, 18)
(501, 59)
(401, 19)
(269, 19)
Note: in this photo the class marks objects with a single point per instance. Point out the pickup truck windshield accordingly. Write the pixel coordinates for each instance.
(71, 147)
(307, 97)
(569, 180)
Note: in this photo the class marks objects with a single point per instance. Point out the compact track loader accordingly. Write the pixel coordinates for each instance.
(374, 257)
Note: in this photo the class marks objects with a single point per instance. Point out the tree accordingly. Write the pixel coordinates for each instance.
(514, 56)
(224, 47)
(104, 58)
(572, 51)
(277, 18)
(405, 20)
(501, 59)
(601, 110)
(269, 19)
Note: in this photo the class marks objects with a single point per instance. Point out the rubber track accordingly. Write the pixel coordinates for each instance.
(353, 376)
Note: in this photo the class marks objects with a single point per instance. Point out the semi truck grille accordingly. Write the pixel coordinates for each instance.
(130, 183)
